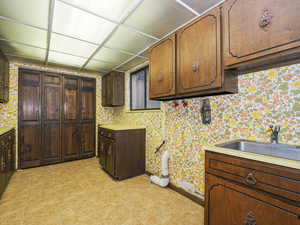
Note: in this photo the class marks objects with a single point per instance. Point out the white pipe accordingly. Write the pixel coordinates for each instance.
(162, 181)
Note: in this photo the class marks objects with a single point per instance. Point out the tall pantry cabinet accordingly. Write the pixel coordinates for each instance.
(56, 118)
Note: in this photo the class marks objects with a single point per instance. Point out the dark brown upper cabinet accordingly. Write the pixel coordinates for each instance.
(162, 68)
(4, 79)
(113, 89)
(189, 63)
(260, 32)
(199, 54)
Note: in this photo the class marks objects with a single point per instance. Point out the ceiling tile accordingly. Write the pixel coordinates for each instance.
(112, 9)
(22, 50)
(201, 6)
(69, 60)
(33, 12)
(99, 66)
(133, 63)
(74, 22)
(21, 33)
(157, 17)
(71, 46)
(111, 56)
(129, 41)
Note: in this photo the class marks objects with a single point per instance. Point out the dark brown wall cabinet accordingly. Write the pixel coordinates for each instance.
(242, 191)
(7, 158)
(258, 32)
(122, 152)
(4, 79)
(113, 89)
(56, 118)
(189, 63)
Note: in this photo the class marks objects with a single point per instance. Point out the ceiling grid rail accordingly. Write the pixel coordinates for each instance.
(171, 32)
(64, 35)
(49, 32)
(188, 7)
(122, 20)
(110, 20)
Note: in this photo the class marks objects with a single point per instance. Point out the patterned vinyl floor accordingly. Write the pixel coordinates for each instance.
(80, 193)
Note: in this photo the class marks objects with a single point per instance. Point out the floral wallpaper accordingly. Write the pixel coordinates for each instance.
(264, 98)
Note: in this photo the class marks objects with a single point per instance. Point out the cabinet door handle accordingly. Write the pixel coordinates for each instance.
(250, 219)
(265, 19)
(195, 68)
(250, 179)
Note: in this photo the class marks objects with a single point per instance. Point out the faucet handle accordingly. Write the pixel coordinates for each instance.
(277, 129)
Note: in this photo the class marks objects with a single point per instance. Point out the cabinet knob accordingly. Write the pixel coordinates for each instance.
(265, 19)
(250, 219)
(250, 179)
(195, 68)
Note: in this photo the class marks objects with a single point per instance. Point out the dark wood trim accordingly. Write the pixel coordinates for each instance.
(183, 192)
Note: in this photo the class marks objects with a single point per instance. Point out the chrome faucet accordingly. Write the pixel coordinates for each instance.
(274, 133)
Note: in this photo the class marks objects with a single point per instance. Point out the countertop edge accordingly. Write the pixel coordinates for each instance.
(257, 157)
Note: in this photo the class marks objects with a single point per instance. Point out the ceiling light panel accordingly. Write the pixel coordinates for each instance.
(74, 22)
(98, 66)
(33, 12)
(112, 9)
(129, 41)
(201, 6)
(71, 46)
(112, 56)
(63, 59)
(157, 17)
(15, 49)
(133, 63)
(21, 33)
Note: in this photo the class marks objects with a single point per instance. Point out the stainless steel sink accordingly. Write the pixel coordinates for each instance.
(270, 149)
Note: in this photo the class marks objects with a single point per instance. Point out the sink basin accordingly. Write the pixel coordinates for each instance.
(270, 149)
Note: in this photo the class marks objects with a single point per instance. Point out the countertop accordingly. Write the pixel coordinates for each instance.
(253, 156)
(3, 130)
(120, 126)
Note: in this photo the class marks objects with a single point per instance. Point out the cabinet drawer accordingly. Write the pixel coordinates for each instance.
(106, 132)
(281, 181)
(232, 204)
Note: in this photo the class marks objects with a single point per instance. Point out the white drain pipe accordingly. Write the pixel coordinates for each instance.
(162, 181)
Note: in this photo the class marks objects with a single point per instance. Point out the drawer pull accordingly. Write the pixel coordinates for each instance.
(250, 219)
(250, 179)
(265, 19)
(195, 68)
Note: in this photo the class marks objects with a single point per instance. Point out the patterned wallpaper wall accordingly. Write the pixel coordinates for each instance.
(264, 98)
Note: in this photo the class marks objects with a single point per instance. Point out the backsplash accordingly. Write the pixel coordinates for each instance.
(264, 98)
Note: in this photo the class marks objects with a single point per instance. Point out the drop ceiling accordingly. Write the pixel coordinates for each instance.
(95, 35)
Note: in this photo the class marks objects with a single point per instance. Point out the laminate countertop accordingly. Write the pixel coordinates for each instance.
(3, 130)
(120, 126)
(253, 156)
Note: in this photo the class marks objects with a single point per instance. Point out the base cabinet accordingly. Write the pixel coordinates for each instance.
(7, 158)
(122, 152)
(248, 202)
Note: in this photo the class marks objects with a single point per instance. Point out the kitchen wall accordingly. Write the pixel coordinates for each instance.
(9, 111)
(264, 98)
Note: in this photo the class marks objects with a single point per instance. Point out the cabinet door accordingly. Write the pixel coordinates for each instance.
(101, 151)
(88, 139)
(240, 205)
(199, 54)
(87, 99)
(51, 143)
(2, 170)
(162, 68)
(258, 28)
(30, 96)
(70, 99)
(30, 145)
(71, 141)
(110, 157)
(51, 98)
